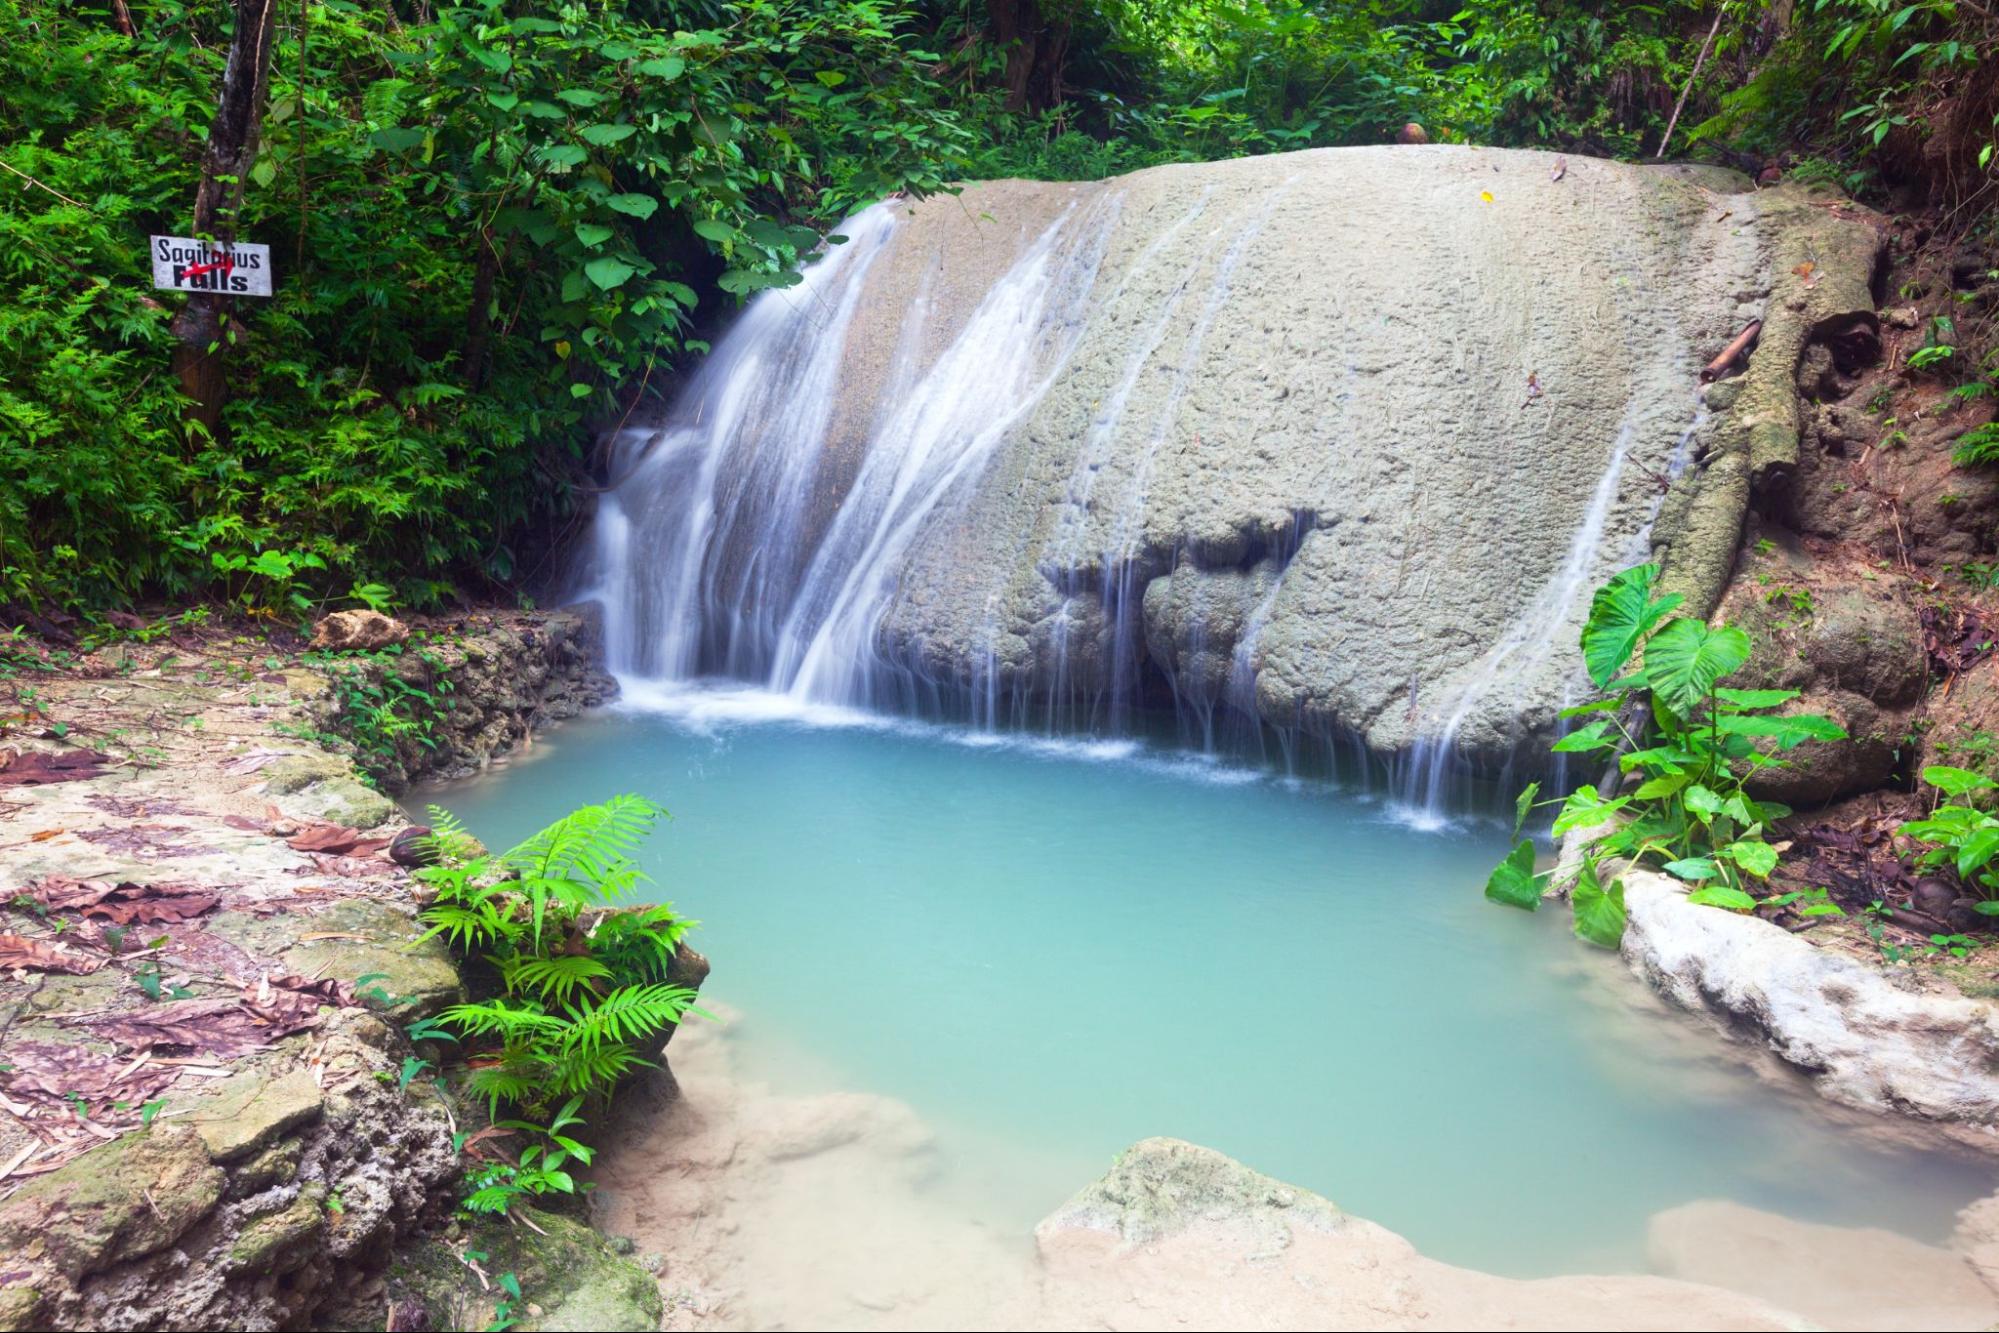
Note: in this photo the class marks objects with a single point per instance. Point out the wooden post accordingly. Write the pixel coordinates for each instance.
(225, 165)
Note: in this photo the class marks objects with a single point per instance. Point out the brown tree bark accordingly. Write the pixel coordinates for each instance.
(1036, 43)
(225, 166)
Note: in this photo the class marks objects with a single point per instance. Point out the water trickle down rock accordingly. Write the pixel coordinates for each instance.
(1245, 436)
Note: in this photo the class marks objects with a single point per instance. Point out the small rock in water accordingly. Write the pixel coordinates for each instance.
(358, 631)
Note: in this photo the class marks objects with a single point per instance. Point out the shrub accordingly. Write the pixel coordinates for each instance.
(1687, 742)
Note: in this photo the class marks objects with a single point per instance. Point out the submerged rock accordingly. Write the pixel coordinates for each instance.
(1182, 1236)
(1838, 1277)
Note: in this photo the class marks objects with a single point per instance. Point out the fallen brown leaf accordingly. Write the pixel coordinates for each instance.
(125, 903)
(43, 956)
(337, 840)
(38, 767)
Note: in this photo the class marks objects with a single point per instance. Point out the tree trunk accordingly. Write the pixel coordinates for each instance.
(1036, 45)
(225, 166)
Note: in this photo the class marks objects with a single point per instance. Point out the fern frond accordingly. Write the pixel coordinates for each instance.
(511, 1024)
(626, 1015)
(551, 980)
(589, 843)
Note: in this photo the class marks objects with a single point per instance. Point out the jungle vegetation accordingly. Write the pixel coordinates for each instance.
(496, 226)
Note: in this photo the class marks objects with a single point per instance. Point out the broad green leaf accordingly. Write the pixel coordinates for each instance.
(1685, 659)
(579, 97)
(1720, 895)
(1703, 800)
(1977, 848)
(1663, 785)
(1522, 804)
(397, 139)
(668, 67)
(1586, 809)
(1956, 781)
(1621, 614)
(1599, 911)
(832, 78)
(1989, 907)
(606, 135)
(1585, 740)
(607, 272)
(633, 205)
(504, 101)
(1758, 858)
(590, 233)
(1600, 706)
(1513, 881)
(564, 155)
(714, 229)
(683, 294)
(1693, 868)
(1788, 732)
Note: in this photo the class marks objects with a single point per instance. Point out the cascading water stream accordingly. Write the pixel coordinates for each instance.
(1213, 440)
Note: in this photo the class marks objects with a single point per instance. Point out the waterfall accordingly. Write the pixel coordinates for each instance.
(1241, 444)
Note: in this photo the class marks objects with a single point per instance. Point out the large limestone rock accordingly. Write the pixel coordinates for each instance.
(1838, 1277)
(1344, 438)
(1864, 1040)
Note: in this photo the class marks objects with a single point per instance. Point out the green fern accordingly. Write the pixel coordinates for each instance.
(583, 984)
(1977, 446)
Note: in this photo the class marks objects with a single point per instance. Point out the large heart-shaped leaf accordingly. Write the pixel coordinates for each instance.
(1788, 732)
(1599, 910)
(1513, 881)
(1956, 781)
(1758, 858)
(1621, 614)
(1977, 848)
(608, 273)
(633, 205)
(1685, 659)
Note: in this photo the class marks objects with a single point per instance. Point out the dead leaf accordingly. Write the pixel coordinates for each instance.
(39, 767)
(1561, 169)
(124, 903)
(217, 1028)
(1804, 270)
(43, 956)
(252, 761)
(337, 840)
(46, 834)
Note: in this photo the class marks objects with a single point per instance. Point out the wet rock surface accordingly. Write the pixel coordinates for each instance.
(1265, 451)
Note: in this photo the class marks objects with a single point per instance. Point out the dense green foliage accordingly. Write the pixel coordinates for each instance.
(496, 223)
(1683, 743)
(1962, 839)
(583, 984)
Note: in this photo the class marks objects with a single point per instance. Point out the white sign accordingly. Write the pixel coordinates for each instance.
(233, 268)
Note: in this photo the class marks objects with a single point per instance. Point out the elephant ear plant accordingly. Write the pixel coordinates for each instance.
(1959, 835)
(1682, 745)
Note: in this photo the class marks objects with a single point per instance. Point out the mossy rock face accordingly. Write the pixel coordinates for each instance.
(280, 1242)
(254, 1111)
(570, 1277)
(324, 787)
(422, 978)
(127, 1199)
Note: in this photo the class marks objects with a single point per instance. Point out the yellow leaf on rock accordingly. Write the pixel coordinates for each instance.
(1486, 195)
